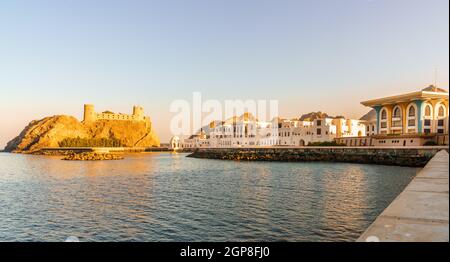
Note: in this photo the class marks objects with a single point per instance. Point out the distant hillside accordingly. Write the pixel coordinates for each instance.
(49, 131)
(314, 115)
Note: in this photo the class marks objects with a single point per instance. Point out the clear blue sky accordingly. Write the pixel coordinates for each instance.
(311, 55)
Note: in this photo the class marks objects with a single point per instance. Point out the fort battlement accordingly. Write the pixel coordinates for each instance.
(90, 115)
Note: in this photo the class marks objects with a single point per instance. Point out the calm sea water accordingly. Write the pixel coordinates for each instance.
(168, 197)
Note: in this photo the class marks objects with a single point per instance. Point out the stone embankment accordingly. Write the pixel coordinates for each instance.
(92, 156)
(399, 156)
(421, 212)
(61, 152)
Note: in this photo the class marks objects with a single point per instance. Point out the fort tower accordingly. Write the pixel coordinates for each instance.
(89, 114)
(138, 112)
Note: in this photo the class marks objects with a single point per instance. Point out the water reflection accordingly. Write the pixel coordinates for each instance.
(168, 197)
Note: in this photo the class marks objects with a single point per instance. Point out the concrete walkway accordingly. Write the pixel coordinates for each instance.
(420, 213)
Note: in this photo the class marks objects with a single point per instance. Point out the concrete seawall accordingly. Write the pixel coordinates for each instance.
(421, 212)
(399, 156)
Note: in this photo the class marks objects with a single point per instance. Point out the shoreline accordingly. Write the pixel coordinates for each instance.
(397, 156)
(393, 156)
(420, 213)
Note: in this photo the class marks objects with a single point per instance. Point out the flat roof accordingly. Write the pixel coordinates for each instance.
(405, 98)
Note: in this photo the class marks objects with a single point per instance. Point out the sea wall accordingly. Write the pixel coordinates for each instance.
(399, 156)
(420, 213)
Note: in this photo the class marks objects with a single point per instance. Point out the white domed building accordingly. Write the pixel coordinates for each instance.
(175, 143)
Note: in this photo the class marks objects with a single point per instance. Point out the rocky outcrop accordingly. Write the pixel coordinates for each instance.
(314, 115)
(49, 131)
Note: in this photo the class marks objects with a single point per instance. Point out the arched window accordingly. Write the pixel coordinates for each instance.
(397, 112)
(383, 114)
(441, 111)
(383, 121)
(412, 112)
(427, 110)
(397, 122)
(411, 119)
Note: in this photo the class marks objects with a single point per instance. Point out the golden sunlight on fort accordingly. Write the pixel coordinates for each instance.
(138, 115)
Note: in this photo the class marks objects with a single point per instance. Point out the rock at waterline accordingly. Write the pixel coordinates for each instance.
(92, 156)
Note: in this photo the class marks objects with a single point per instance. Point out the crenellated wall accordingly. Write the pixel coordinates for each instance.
(138, 115)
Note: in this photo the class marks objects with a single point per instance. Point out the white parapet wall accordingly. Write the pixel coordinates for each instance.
(420, 213)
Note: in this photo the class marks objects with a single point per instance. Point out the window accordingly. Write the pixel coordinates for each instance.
(397, 123)
(319, 131)
(440, 131)
(427, 110)
(441, 122)
(427, 131)
(383, 124)
(441, 111)
(397, 112)
(411, 122)
(373, 128)
(427, 122)
(412, 111)
(383, 114)
(319, 122)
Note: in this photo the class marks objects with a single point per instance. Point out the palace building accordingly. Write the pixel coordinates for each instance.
(411, 119)
(421, 112)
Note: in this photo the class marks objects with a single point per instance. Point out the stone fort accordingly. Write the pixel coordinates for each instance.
(90, 115)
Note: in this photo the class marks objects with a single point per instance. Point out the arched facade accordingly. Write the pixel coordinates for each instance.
(397, 120)
(301, 142)
(423, 113)
(384, 123)
(411, 118)
(441, 118)
(175, 143)
(428, 113)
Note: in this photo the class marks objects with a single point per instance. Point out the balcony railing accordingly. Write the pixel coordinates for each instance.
(397, 124)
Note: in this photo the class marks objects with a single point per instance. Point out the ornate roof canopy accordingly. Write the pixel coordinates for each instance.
(430, 92)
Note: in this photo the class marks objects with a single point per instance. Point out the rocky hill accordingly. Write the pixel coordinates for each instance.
(314, 115)
(49, 131)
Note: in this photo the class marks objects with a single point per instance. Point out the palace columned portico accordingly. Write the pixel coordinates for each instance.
(421, 112)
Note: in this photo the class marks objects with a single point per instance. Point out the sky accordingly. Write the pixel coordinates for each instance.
(310, 55)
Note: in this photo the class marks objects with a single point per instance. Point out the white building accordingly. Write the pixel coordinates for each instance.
(241, 131)
(300, 133)
(175, 143)
(196, 141)
(247, 131)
